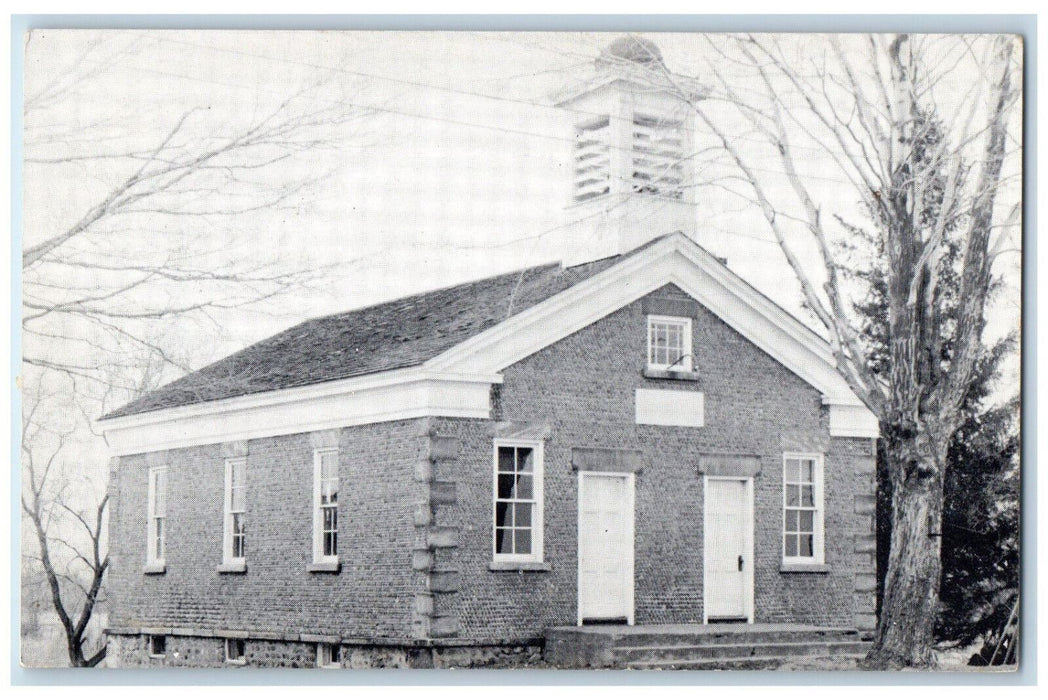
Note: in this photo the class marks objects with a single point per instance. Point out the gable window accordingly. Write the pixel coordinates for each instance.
(669, 343)
(235, 652)
(329, 655)
(156, 544)
(234, 546)
(325, 506)
(802, 509)
(518, 502)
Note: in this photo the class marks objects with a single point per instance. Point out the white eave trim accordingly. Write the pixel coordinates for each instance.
(304, 393)
(625, 78)
(457, 382)
(853, 421)
(395, 395)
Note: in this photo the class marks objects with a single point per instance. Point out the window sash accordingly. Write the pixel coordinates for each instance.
(669, 343)
(326, 486)
(329, 530)
(517, 501)
(234, 535)
(156, 540)
(802, 524)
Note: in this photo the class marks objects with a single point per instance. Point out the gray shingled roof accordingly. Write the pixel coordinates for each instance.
(401, 333)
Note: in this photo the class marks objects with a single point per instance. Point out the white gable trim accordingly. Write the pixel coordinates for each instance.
(676, 260)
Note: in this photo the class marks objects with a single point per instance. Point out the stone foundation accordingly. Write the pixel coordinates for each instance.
(191, 651)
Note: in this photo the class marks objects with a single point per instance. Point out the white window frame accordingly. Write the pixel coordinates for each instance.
(318, 516)
(227, 528)
(537, 518)
(683, 365)
(325, 654)
(818, 519)
(156, 555)
(240, 660)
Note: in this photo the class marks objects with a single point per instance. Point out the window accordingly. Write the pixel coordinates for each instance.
(156, 546)
(329, 656)
(157, 645)
(518, 502)
(802, 509)
(325, 512)
(234, 541)
(235, 652)
(669, 343)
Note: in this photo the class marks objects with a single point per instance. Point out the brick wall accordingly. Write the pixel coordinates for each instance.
(583, 388)
(415, 508)
(370, 597)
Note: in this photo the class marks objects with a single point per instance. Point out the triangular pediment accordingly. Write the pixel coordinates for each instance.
(672, 260)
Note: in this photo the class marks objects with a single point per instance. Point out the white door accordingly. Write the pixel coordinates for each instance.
(605, 547)
(729, 552)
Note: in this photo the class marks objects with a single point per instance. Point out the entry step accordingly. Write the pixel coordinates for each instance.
(700, 646)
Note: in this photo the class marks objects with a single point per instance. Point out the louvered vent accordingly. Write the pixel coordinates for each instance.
(658, 157)
(592, 163)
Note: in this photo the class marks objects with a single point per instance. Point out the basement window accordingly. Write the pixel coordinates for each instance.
(235, 652)
(329, 655)
(157, 646)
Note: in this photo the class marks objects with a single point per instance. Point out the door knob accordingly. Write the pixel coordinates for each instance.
(740, 562)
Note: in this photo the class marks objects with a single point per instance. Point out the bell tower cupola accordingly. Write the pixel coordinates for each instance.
(631, 126)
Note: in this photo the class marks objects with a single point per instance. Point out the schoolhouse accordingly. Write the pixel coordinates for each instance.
(634, 438)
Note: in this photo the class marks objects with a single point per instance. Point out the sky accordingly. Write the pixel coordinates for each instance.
(456, 170)
(464, 155)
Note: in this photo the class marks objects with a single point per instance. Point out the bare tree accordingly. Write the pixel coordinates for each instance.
(73, 559)
(180, 222)
(142, 229)
(888, 117)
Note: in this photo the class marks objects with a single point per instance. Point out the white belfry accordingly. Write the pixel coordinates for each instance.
(630, 173)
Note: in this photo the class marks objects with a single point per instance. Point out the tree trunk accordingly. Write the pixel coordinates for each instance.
(77, 659)
(76, 652)
(911, 590)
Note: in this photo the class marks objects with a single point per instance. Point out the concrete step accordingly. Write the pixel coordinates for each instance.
(736, 636)
(753, 663)
(720, 644)
(746, 650)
